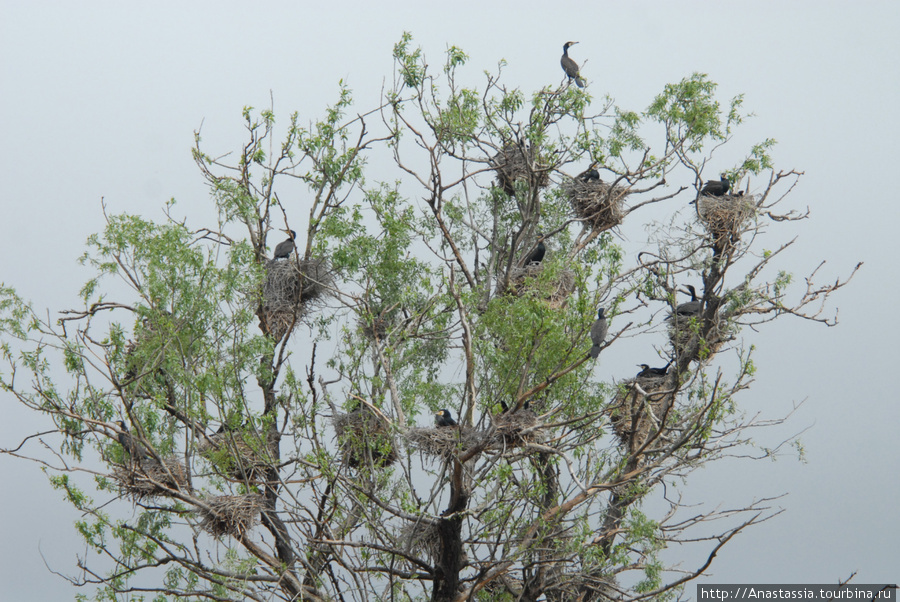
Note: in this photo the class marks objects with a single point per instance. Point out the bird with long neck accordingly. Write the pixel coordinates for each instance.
(570, 66)
(284, 249)
(599, 329)
(537, 255)
(692, 307)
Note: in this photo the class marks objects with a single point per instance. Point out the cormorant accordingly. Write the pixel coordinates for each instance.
(444, 418)
(130, 444)
(537, 255)
(692, 307)
(716, 188)
(648, 372)
(598, 333)
(570, 66)
(284, 249)
(591, 175)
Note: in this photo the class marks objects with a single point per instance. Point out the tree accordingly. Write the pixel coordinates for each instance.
(216, 455)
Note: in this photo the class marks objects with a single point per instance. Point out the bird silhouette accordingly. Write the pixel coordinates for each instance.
(444, 418)
(692, 307)
(599, 330)
(537, 255)
(131, 445)
(284, 249)
(570, 66)
(716, 187)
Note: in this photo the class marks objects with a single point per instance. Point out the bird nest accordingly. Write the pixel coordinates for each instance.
(148, 478)
(639, 408)
(242, 456)
(291, 287)
(365, 439)
(524, 280)
(725, 217)
(517, 428)
(421, 539)
(444, 441)
(378, 326)
(596, 203)
(684, 333)
(230, 514)
(517, 162)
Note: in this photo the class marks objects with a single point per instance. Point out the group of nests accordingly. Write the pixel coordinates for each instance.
(291, 287)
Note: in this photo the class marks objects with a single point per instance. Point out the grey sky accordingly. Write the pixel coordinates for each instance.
(100, 99)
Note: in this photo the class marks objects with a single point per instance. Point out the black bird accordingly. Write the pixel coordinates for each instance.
(716, 188)
(591, 175)
(444, 418)
(537, 255)
(692, 307)
(570, 66)
(648, 372)
(130, 444)
(284, 249)
(598, 333)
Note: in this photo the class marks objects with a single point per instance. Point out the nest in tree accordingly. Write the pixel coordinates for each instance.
(148, 478)
(444, 441)
(421, 539)
(291, 287)
(684, 333)
(596, 203)
(517, 428)
(365, 439)
(230, 514)
(378, 326)
(517, 162)
(241, 456)
(639, 408)
(725, 217)
(524, 280)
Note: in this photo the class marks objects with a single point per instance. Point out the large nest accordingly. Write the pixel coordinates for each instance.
(598, 204)
(725, 217)
(148, 478)
(524, 280)
(421, 539)
(291, 287)
(230, 514)
(444, 441)
(684, 333)
(365, 439)
(243, 456)
(640, 407)
(517, 162)
(517, 428)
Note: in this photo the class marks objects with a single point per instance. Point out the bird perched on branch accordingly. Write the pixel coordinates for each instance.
(648, 372)
(570, 66)
(716, 187)
(537, 255)
(692, 307)
(284, 249)
(444, 418)
(598, 333)
(134, 448)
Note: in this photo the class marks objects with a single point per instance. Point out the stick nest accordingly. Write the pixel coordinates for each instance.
(245, 457)
(598, 204)
(365, 439)
(421, 539)
(634, 416)
(684, 333)
(444, 441)
(517, 428)
(517, 162)
(148, 478)
(523, 280)
(725, 217)
(292, 286)
(230, 514)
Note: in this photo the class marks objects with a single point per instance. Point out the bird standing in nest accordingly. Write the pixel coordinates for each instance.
(590, 175)
(131, 445)
(692, 307)
(444, 418)
(648, 372)
(716, 187)
(537, 255)
(570, 66)
(284, 249)
(599, 329)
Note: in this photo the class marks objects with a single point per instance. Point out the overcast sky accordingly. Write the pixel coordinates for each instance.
(100, 100)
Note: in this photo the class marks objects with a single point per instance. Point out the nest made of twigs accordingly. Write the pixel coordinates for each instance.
(726, 216)
(596, 203)
(517, 162)
(241, 456)
(639, 407)
(365, 439)
(148, 478)
(421, 539)
(230, 514)
(444, 441)
(684, 333)
(522, 281)
(517, 428)
(290, 288)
